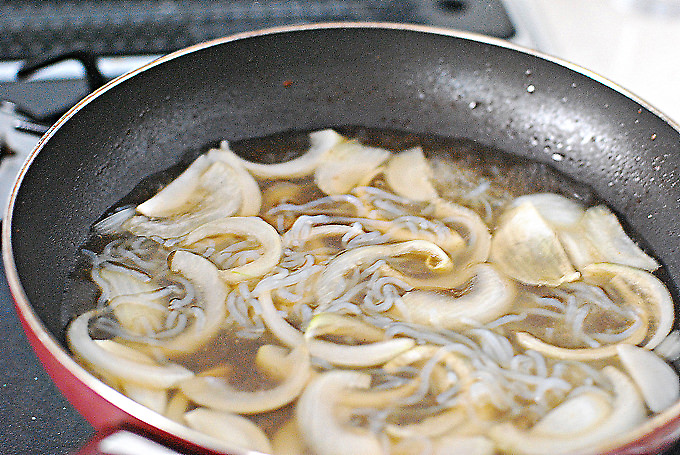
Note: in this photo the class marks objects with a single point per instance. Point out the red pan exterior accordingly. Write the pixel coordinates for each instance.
(382, 76)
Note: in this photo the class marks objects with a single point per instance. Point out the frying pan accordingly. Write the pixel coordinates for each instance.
(408, 78)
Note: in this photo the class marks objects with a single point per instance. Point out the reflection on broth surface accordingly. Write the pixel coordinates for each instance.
(388, 293)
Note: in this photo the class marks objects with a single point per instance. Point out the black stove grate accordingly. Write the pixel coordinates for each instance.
(33, 28)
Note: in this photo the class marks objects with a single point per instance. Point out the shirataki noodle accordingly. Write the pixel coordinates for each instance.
(364, 301)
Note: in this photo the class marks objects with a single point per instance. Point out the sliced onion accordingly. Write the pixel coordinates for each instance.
(576, 415)
(251, 196)
(604, 231)
(382, 398)
(488, 297)
(274, 361)
(215, 195)
(346, 165)
(361, 355)
(211, 296)
(277, 324)
(409, 175)
(177, 407)
(287, 440)
(559, 211)
(156, 399)
(638, 289)
(475, 230)
(252, 226)
(320, 142)
(216, 393)
(656, 380)
(318, 420)
(345, 326)
(626, 412)
(134, 302)
(527, 248)
(528, 341)
(325, 289)
(432, 426)
(123, 363)
(179, 194)
(231, 428)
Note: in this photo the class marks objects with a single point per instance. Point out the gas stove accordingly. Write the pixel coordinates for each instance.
(127, 34)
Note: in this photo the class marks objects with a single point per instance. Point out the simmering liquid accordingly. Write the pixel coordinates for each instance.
(361, 291)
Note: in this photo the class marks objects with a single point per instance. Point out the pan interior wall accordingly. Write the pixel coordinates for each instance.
(309, 79)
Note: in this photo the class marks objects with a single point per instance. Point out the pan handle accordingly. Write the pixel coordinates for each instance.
(124, 442)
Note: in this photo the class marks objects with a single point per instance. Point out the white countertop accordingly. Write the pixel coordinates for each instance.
(635, 48)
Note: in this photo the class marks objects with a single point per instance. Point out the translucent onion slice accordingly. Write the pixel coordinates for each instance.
(277, 324)
(179, 195)
(476, 232)
(326, 288)
(416, 354)
(527, 248)
(253, 227)
(576, 415)
(638, 289)
(599, 237)
(669, 348)
(409, 175)
(317, 416)
(528, 341)
(445, 445)
(314, 237)
(125, 364)
(156, 399)
(557, 210)
(134, 301)
(274, 361)
(346, 165)
(177, 407)
(605, 231)
(320, 143)
(201, 179)
(211, 295)
(588, 236)
(489, 295)
(656, 380)
(360, 355)
(214, 195)
(450, 241)
(251, 196)
(439, 424)
(216, 393)
(383, 398)
(343, 326)
(233, 429)
(287, 440)
(626, 412)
